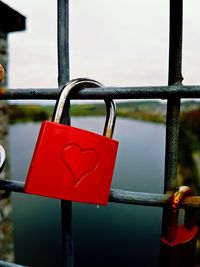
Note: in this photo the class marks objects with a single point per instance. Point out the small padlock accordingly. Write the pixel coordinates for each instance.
(178, 242)
(70, 163)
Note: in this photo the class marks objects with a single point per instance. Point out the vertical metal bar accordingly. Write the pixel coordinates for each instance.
(63, 41)
(67, 241)
(173, 104)
(175, 42)
(63, 77)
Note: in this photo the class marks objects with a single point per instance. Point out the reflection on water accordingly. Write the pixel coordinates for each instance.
(115, 235)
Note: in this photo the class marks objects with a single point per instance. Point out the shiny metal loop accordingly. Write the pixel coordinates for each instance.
(78, 84)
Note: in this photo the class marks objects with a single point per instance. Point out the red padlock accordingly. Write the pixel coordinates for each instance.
(70, 163)
(178, 242)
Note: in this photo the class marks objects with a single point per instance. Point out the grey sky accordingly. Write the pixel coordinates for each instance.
(123, 42)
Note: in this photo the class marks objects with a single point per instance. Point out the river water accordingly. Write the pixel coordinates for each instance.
(115, 235)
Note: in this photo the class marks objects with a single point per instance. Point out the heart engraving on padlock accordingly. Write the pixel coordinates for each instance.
(85, 163)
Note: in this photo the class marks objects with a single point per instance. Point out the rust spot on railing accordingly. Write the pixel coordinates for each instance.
(2, 91)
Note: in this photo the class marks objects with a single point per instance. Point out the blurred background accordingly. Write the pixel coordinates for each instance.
(117, 43)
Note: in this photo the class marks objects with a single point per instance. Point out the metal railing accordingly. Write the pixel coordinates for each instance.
(173, 93)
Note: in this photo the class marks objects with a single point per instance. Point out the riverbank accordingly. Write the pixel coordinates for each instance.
(154, 111)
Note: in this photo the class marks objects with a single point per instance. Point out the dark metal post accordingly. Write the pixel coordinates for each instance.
(173, 104)
(131, 92)
(63, 77)
(63, 42)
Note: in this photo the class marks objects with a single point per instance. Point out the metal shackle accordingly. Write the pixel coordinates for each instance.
(78, 84)
(177, 198)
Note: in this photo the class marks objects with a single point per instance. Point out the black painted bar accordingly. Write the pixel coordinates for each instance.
(173, 104)
(8, 264)
(63, 77)
(134, 92)
(63, 41)
(120, 196)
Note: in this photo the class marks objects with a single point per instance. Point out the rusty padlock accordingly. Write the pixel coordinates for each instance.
(71, 163)
(178, 242)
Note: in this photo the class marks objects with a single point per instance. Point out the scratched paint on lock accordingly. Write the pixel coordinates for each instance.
(86, 161)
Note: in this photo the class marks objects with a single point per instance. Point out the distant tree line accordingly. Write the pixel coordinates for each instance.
(189, 148)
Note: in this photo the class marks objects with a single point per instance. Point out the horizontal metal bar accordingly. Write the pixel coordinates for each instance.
(152, 92)
(137, 198)
(150, 199)
(121, 196)
(8, 264)
(13, 186)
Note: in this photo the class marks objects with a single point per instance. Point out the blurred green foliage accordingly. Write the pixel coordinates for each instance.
(146, 110)
(189, 149)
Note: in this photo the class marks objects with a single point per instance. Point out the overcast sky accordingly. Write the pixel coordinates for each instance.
(118, 42)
